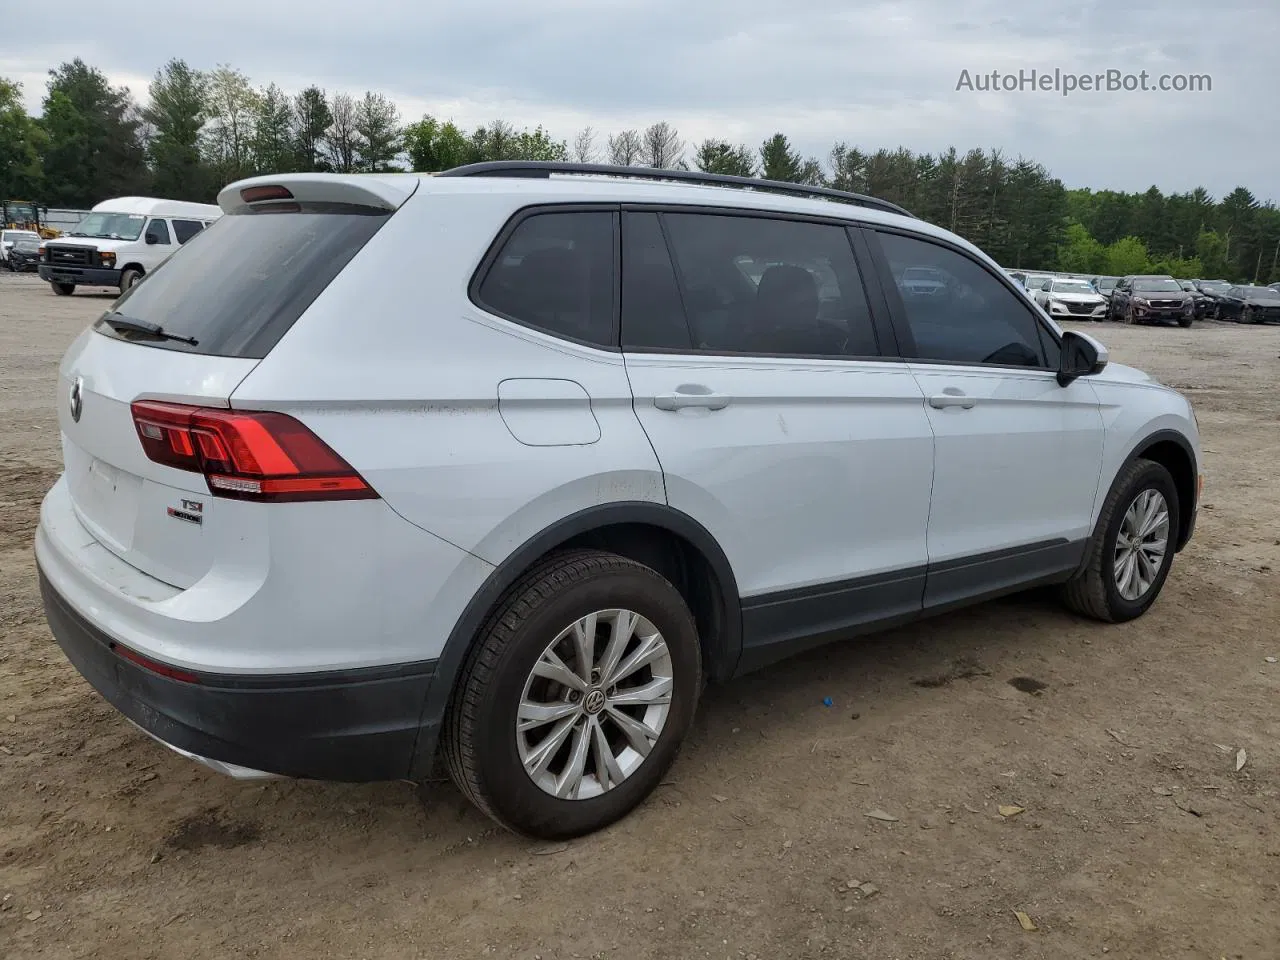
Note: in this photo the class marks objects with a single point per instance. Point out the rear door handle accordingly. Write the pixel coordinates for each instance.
(691, 396)
(952, 397)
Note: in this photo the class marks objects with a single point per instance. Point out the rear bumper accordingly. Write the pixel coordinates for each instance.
(89, 276)
(351, 726)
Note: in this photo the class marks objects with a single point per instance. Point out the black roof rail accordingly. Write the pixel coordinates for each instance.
(544, 169)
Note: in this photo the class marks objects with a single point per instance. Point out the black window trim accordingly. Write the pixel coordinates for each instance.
(880, 327)
(898, 314)
(499, 243)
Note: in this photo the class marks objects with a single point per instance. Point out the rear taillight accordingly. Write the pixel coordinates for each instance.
(247, 455)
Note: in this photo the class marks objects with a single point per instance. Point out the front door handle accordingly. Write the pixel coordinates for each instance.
(951, 397)
(691, 396)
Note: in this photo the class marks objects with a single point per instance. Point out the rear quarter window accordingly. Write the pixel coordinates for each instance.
(238, 286)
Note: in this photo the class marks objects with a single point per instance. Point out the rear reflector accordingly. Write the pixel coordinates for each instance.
(245, 455)
(161, 669)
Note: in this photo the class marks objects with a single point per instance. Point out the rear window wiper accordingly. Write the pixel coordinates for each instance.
(118, 321)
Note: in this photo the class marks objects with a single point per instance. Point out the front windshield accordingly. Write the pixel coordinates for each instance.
(27, 246)
(110, 226)
(18, 235)
(1217, 286)
(1107, 283)
(1071, 286)
(1156, 286)
(1260, 291)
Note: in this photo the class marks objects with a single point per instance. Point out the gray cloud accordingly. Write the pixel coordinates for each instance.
(880, 74)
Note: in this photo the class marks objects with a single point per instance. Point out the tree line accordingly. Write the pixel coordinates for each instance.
(199, 130)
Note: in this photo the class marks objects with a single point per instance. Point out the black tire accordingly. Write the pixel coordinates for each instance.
(479, 739)
(1186, 320)
(128, 278)
(63, 289)
(1093, 591)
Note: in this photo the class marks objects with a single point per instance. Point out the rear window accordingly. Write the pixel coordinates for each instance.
(237, 287)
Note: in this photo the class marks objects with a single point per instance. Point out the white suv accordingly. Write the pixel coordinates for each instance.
(501, 464)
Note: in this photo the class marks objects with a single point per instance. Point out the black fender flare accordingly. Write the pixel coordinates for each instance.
(462, 636)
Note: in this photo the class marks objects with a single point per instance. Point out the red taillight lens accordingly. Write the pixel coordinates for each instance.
(247, 456)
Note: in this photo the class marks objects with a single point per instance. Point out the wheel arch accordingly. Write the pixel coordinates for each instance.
(1174, 452)
(655, 534)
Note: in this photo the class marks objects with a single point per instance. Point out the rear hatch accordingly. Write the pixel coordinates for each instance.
(188, 335)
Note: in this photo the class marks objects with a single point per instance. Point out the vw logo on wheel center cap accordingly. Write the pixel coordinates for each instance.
(593, 702)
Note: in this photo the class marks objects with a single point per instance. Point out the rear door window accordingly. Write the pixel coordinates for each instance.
(184, 230)
(769, 286)
(247, 281)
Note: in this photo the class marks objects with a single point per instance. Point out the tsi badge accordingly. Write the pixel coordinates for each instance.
(192, 511)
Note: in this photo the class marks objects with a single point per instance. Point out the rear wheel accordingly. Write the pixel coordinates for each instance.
(63, 289)
(1132, 548)
(128, 279)
(575, 700)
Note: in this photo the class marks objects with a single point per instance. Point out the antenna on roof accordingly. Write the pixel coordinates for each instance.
(545, 169)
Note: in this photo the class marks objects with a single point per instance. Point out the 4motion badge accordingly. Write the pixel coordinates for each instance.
(192, 511)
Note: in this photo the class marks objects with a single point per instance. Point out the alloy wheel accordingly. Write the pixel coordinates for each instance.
(595, 704)
(1141, 544)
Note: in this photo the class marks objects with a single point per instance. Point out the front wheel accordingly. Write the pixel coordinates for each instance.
(63, 289)
(128, 278)
(576, 697)
(1186, 319)
(1131, 550)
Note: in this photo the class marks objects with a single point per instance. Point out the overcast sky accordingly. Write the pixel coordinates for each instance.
(874, 75)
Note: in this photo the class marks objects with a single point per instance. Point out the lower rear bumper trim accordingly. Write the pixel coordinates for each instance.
(354, 726)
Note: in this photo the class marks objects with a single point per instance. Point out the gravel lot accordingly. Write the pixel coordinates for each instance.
(1140, 838)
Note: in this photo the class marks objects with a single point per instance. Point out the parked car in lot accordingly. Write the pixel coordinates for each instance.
(1147, 299)
(1200, 303)
(121, 241)
(1211, 291)
(1071, 298)
(1104, 285)
(10, 237)
(324, 516)
(23, 256)
(1248, 304)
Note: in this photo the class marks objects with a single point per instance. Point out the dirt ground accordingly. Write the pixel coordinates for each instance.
(1139, 836)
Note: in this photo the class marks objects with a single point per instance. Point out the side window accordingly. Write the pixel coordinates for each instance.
(768, 286)
(652, 314)
(965, 315)
(556, 273)
(184, 230)
(159, 230)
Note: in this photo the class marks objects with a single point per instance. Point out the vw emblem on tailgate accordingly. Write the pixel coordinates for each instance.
(75, 400)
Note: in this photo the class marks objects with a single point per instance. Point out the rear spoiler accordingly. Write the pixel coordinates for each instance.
(363, 189)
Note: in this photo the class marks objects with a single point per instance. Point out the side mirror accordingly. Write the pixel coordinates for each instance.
(1081, 356)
